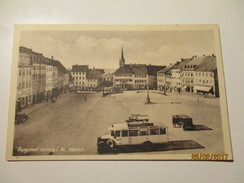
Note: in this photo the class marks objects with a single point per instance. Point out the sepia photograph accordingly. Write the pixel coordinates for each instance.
(118, 92)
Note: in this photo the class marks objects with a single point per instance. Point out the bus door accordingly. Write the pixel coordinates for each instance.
(125, 139)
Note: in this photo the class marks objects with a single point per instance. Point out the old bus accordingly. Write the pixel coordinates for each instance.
(143, 134)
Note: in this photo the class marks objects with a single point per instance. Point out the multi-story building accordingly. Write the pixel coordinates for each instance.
(84, 78)
(187, 73)
(135, 76)
(164, 79)
(49, 81)
(176, 74)
(206, 77)
(24, 86)
(39, 77)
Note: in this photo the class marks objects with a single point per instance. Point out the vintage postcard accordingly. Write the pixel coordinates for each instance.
(118, 92)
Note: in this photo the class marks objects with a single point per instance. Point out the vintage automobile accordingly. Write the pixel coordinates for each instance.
(131, 134)
(137, 117)
(182, 120)
(20, 118)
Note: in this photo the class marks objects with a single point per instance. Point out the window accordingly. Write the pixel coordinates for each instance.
(23, 101)
(144, 131)
(133, 132)
(112, 133)
(202, 74)
(154, 131)
(162, 131)
(20, 72)
(23, 72)
(117, 133)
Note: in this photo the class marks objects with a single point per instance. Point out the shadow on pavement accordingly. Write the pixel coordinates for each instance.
(171, 145)
(198, 128)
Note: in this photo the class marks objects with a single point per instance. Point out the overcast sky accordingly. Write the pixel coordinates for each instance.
(102, 49)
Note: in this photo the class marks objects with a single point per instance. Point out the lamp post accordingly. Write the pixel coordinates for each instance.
(148, 98)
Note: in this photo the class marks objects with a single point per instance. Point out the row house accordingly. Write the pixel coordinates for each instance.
(60, 77)
(206, 77)
(187, 73)
(24, 80)
(196, 74)
(176, 74)
(85, 78)
(164, 78)
(37, 78)
(135, 76)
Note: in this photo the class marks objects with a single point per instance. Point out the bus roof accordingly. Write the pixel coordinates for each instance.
(126, 126)
(183, 116)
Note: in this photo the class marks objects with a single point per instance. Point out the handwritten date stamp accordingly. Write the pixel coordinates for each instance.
(209, 157)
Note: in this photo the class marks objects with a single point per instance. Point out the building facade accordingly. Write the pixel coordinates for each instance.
(206, 77)
(37, 78)
(24, 86)
(187, 73)
(135, 76)
(85, 78)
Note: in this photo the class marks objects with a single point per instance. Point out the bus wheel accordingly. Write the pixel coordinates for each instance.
(111, 143)
(147, 146)
(102, 148)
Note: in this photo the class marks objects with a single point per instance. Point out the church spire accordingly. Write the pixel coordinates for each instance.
(122, 59)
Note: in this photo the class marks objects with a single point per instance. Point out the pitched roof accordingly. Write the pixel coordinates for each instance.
(126, 69)
(153, 69)
(182, 63)
(60, 66)
(35, 57)
(208, 64)
(166, 70)
(139, 69)
(90, 74)
(193, 63)
(80, 68)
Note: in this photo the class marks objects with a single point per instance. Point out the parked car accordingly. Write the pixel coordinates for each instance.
(20, 118)
(182, 120)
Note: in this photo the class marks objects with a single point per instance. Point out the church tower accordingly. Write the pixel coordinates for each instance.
(122, 59)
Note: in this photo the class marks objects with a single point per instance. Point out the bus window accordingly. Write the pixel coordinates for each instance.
(133, 132)
(124, 133)
(144, 131)
(117, 133)
(154, 131)
(112, 133)
(162, 131)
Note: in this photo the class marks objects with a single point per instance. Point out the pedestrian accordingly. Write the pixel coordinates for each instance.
(85, 98)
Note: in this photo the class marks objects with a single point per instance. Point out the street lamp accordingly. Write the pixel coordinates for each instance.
(148, 98)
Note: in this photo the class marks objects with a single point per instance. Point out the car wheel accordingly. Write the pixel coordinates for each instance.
(102, 148)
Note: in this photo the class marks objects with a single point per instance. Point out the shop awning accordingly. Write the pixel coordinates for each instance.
(203, 88)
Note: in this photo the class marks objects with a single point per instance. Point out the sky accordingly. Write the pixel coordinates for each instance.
(102, 49)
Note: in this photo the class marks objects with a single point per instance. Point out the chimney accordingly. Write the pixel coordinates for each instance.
(181, 59)
(204, 55)
(52, 57)
(130, 65)
(213, 55)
